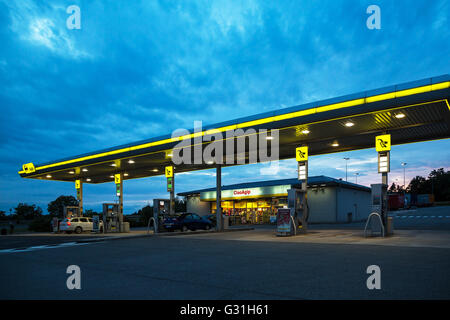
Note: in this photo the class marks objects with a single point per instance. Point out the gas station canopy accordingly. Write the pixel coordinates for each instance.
(409, 112)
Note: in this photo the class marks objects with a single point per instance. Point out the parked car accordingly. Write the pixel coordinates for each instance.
(78, 225)
(212, 218)
(187, 221)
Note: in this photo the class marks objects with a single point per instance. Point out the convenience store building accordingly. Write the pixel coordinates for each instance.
(330, 200)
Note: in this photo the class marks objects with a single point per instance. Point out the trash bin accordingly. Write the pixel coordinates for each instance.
(226, 222)
(125, 227)
(390, 226)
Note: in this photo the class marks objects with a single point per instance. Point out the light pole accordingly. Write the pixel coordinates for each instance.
(346, 161)
(356, 174)
(404, 180)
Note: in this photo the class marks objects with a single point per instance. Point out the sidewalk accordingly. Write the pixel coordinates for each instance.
(400, 238)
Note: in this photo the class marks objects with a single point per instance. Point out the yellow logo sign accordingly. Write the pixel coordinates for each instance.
(117, 178)
(383, 142)
(169, 172)
(301, 153)
(28, 168)
(77, 184)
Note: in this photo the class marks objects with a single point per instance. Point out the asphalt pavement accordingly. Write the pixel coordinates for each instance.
(330, 262)
(204, 267)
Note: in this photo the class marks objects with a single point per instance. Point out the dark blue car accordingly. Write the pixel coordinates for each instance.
(187, 221)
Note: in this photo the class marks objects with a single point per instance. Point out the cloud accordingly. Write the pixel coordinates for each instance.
(138, 71)
(44, 26)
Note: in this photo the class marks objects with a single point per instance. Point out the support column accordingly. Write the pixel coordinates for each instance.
(121, 203)
(80, 203)
(384, 181)
(172, 196)
(383, 147)
(219, 225)
(170, 177)
(79, 188)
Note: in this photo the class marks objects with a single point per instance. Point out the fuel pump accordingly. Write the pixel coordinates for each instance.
(72, 211)
(161, 208)
(111, 222)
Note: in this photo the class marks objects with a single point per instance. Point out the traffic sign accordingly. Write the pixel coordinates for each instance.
(117, 178)
(383, 142)
(28, 168)
(169, 172)
(301, 153)
(77, 184)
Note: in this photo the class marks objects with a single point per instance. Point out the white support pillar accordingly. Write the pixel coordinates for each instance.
(219, 225)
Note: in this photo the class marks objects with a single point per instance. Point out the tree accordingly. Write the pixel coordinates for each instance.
(90, 213)
(56, 207)
(27, 212)
(418, 185)
(145, 213)
(437, 183)
(395, 188)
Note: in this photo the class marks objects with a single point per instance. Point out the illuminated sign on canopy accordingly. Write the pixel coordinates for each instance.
(247, 193)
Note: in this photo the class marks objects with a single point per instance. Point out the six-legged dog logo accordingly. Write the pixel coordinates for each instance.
(383, 143)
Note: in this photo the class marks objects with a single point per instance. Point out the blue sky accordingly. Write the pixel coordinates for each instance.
(139, 69)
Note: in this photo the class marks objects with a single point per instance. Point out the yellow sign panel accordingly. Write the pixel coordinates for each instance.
(117, 178)
(77, 184)
(28, 168)
(301, 153)
(169, 172)
(383, 142)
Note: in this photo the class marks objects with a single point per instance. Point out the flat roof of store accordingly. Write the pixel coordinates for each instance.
(312, 182)
(425, 104)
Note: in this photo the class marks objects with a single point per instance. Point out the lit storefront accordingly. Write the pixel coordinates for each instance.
(330, 200)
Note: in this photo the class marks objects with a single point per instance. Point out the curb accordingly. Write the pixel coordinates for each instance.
(113, 238)
(168, 234)
(164, 234)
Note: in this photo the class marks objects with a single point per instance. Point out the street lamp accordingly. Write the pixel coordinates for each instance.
(404, 180)
(356, 174)
(346, 161)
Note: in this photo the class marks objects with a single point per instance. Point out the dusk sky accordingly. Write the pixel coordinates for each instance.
(140, 69)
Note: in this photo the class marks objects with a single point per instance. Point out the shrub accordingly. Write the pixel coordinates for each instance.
(41, 224)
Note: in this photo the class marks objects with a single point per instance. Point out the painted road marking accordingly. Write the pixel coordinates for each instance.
(42, 247)
(419, 217)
